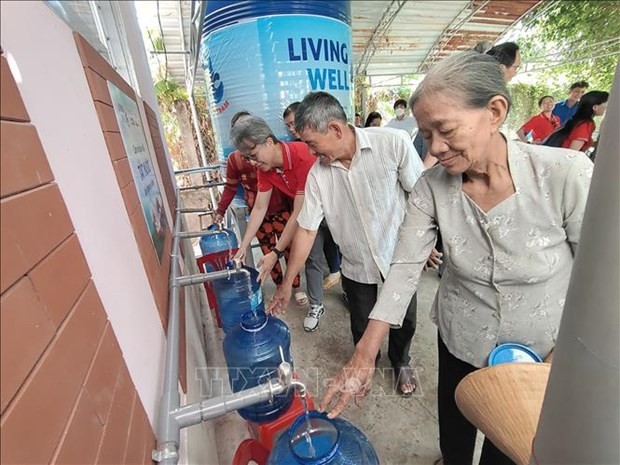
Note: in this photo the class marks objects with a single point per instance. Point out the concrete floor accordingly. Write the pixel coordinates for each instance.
(403, 431)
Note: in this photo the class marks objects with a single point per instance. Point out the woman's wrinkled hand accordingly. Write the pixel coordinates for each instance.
(434, 260)
(353, 381)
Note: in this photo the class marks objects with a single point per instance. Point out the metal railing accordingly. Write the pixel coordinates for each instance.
(172, 415)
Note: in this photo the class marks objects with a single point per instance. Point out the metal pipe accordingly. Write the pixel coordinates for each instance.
(195, 210)
(206, 277)
(192, 234)
(201, 169)
(208, 185)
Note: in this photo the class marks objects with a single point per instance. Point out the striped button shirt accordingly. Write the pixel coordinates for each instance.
(365, 204)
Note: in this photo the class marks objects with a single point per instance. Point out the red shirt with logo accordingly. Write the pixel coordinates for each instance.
(240, 171)
(541, 126)
(291, 178)
(583, 131)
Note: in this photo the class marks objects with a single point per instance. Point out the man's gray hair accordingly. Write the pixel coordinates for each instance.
(250, 129)
(472, 76)
(316, 111)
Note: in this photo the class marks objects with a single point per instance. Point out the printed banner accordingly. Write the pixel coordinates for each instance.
(142, 170)
(263, 65)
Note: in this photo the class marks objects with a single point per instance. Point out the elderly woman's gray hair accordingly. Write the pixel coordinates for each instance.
(471, 76)
(250, 129)
(316, 111)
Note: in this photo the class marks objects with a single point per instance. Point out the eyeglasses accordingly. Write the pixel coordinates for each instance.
(251, 154)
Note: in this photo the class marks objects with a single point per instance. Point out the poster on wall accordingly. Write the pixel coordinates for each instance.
(142, 170)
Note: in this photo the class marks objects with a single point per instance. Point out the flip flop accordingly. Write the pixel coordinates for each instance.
(405, 376)
(301, 298)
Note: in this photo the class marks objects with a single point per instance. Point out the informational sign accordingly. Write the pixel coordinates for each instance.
(142, 170)
(264, 64)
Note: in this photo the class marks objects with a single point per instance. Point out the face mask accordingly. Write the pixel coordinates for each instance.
(400, 112)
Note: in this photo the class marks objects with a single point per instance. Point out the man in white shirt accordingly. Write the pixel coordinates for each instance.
(406, 123)
(360, 187)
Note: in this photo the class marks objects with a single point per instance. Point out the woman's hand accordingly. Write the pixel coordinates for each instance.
(354, 380)
(240, 255)
(265, 265)
(219, 219)
(280, 300)
(434, 260)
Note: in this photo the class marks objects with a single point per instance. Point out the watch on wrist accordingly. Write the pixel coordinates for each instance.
(279, 253)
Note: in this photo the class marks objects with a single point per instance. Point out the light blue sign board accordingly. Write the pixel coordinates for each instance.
(142, 170)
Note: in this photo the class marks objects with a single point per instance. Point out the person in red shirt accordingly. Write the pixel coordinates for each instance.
(282, 166)
(239, 171)
(577, 132)
(542, 125)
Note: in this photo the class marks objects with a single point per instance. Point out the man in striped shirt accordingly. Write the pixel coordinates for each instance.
(360, 187)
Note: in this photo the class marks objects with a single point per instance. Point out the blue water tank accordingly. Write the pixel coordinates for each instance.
(261, 56)
(253, 351)
(315, 439)
(220, 241)
(236, 296)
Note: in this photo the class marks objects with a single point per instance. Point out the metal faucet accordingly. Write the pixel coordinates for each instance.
(211, 409)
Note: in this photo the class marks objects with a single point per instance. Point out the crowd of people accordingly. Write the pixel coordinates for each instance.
(500, 218)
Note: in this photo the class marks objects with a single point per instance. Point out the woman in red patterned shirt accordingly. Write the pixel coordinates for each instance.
(240, 171)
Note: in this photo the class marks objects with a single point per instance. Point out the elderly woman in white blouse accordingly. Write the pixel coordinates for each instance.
(510, 216)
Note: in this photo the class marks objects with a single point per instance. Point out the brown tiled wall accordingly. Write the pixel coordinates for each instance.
(98, 71)
(65, 393)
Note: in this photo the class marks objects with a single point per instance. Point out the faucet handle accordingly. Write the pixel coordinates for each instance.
(285, 373)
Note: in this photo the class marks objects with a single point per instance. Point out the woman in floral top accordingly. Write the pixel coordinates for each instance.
(510, 216)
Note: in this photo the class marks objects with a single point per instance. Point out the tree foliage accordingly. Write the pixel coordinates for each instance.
(577, 33)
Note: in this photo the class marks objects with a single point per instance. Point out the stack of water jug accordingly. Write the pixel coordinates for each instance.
(254, 346)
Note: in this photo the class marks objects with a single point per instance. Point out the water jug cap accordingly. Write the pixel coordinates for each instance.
(313, 438)
(254, 321)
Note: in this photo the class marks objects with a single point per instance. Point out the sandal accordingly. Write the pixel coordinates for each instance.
(404, 378)
(301, 298)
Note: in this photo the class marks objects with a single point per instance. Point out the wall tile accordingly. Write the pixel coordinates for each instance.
(25, 332)
(101, 379)
(23, 161)
(123, 172)
(137, 435)
(130, 196)
(51, 391)
(11, 103)
(60, 278)
(91, 59)
(114, 141)
(98, 87)
(107, 117)
(80, 442)
(114, 441)
(32, 224)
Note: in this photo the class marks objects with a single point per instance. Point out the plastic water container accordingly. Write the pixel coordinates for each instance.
(315, 439)
(265, 55)
(235, 296)
(224, 239)
(513, 353)
(253, 352)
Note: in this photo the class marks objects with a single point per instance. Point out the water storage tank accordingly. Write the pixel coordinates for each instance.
(261, 56)
(253, 351)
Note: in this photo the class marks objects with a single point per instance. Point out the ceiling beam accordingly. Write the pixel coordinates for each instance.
(449, 32)
(388, 16)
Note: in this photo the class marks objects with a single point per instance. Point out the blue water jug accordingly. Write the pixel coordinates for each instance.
(253, 351)
(236, 296)
(314, 439)
(223, 239)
